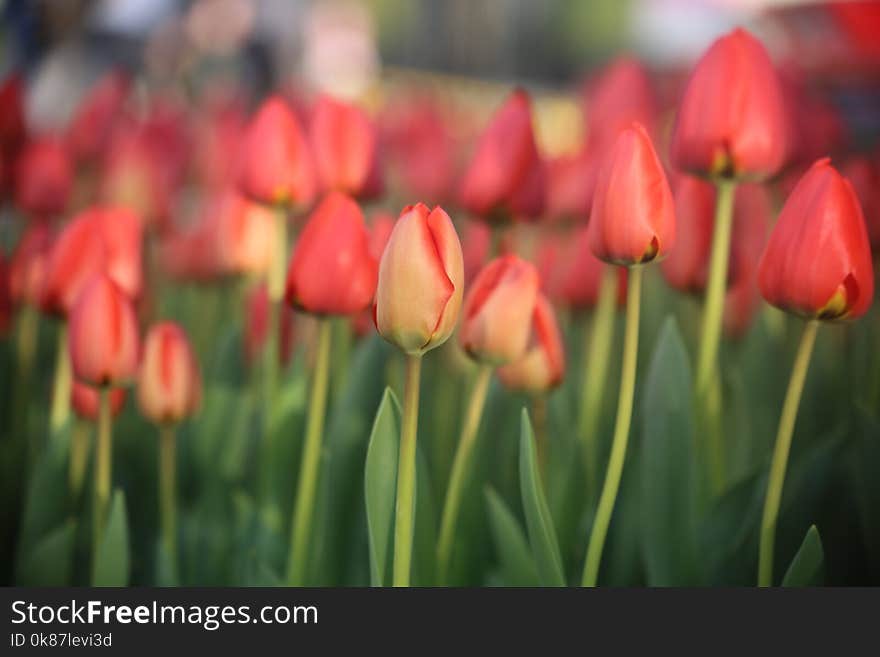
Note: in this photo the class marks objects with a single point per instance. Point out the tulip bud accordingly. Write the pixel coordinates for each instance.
(332, 271)
(579, 274)
(121, 232)
(505, 175)
(542, 367)
(43, 178)
(731, 120)
(103, 338)
(817, 263)
(498, 311)
(29, 262)
(86, 400)
(620, 95)
(865, 178)
(344, 145)
(421, 276)
(568, 195)
(276, 165)
(169, 384)
(242, 232)
(91, 125)
(633, 218)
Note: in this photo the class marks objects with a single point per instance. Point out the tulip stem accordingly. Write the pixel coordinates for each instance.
(26, 346)
(405, 510)
(780, 452)
(79, 455)
(710, 339)
(304, 504)
(597, 355)
(168, 492)
(460, 467)
(60, 411)
(103, 465)
(621, 429)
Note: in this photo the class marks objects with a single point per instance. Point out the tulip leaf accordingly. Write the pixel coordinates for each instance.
(514, 553)
(542, 535)
(112, 561)
(669, 467)
(50, 562)
(380, 484)
(806, 569)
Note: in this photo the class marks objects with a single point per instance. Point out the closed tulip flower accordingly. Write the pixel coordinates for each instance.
(103, 338)
(421, 280)
(579, 275)
(27, 269)
(542, 367)
(121, 232)
(633, 217)
(344, 145)
(43, 178)
(77, 254)
(242, 231)
(332, 271)
(85, 400)
(621, 94)
(91, 125)
(276, 163)
(864, 174)
(817, 263)
(168, 384)
(498, 310)
(731, 120)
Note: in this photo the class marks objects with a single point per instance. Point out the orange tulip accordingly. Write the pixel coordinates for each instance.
(542, 367)
(344, 145)
(169, 383)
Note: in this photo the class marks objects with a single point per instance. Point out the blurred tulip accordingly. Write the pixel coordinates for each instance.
(85, 400)
(218, 134)
(132, 177)
(90, 128)
(633, 218)
(569, 192)
(27, 270)
(332, 271)
(243, 232)
(864, 174)
(731, 121)
(505, 176)
(103, 338)
(476, 244)
(542, 367)
(43, 178)
(256, 331)
(686, 266)
(498, 310)
(13, 130)
(276, 165)
(380, 231)
(344, 145)
(421, 280)
(817, 262)
(579, 274)
(122, 234)
(169, 383)
(620, 95)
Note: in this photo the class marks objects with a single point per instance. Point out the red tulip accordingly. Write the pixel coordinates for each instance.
(578, 274)
(256, 330)
(344, 145)
(276, 165)
(817, 263)
(621, 94)
(568, 192)
(219, 134)
(380, 231)
(686, 267)
(476, 244)
(27, 271)
(332, 271)
(242, 232)
(731, 121)
(498, 311)
(91, 125)
(633, 218)
(43, 178)
(169, 385)
(12, 124)
(86, 399)
(421, 277)
(103, 338)
(505, 174)
(865, 178)
(122, 234)
(542, 368)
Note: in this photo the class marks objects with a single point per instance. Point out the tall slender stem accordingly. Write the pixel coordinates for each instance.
(103, 475)
(304, 505)
(597, 355)
(710, 339)
(60, 410)
(621, 429)
(168, 491)
(460, 466)
(405, 509)
(272, 353)
(780, 453)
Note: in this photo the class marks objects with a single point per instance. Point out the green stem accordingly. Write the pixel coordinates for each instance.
(780, 453)
(710, 339)
(460, 466)
(168, 491)
(597, 355)
(405, 509)
(60, 411)
(103, 476)
(304, 505)
(79, 455)
(26, 347)
(621, 429)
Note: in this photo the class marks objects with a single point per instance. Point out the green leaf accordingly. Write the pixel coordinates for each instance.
(112, 564)
(517, 563)
(50, 562)
(542, 535)
(380, 483)
(48, 496)
(807, 566)
(669, 466)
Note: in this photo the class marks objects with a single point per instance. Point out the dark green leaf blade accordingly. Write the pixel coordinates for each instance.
(112, 564)
(517, 564)
(50, 562)
(806, 569)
